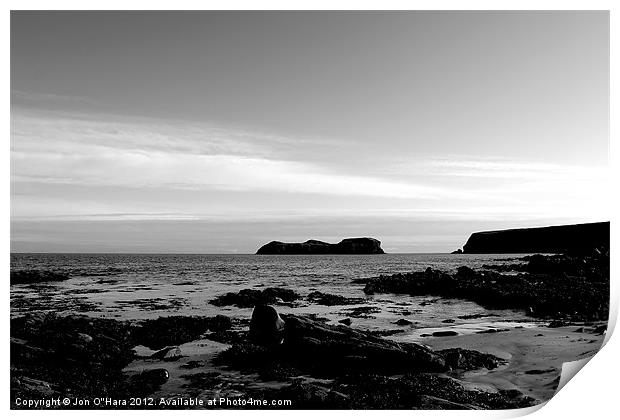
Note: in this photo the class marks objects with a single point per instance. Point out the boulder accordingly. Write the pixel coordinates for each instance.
(266, 326)
(154, 376)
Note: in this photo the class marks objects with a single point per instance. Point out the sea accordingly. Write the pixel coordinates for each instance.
(141, 286)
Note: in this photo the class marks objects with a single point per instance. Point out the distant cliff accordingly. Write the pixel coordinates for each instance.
(346, 246)
(581, 238)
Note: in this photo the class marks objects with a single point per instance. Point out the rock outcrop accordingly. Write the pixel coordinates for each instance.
(346, 246)
(575, 288)
(570, 239)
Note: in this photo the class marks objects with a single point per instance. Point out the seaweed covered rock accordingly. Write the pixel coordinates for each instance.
(174, 330)
(583, 296)
(427, 282)
(248, 298)
(594, 267)
(69, 356)
(36, 276)
(464, 359)
(328, 299)
(79, 356)
(340, 347)
(411, 391)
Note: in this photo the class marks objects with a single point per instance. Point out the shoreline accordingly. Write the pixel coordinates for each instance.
(183, 356)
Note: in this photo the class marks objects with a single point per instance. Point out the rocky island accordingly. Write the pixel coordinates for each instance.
(572, 239)
(346, 246)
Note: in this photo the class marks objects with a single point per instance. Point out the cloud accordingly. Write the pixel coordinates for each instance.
(107, 153)
(509, 169)
(65, 155)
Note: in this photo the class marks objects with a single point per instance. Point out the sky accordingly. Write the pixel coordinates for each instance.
(216, 132)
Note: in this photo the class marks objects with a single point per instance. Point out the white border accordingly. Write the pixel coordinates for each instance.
(593, 394)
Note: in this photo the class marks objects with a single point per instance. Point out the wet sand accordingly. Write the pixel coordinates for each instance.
(535, 357)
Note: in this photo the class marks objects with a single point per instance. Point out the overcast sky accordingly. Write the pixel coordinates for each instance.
(219, 131)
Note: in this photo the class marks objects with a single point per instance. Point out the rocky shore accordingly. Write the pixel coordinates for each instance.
(321, 363)
(354, 369)
(81, 357)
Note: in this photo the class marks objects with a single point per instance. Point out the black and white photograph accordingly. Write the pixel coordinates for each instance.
(306, 209)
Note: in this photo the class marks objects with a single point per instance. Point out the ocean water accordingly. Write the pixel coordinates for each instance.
(138, 286)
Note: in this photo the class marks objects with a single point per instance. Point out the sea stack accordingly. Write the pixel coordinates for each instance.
(346, 246)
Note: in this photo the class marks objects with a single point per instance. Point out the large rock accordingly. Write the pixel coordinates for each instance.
(266, 326)
(346, 246)
(582, 238)
(340, 348)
